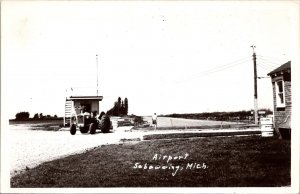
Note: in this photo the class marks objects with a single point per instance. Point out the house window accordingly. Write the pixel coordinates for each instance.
(280, 102)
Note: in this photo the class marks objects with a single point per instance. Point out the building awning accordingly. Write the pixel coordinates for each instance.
(86, 98)
(282, 69)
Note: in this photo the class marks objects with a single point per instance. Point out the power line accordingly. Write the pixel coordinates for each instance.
(271, 58)
(264, 67)
(268, 63)
(216, 69)
(267, 66)
(226, 65)
(267, 60)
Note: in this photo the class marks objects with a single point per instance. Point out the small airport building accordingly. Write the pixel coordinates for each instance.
(81, 104)
(282, 99)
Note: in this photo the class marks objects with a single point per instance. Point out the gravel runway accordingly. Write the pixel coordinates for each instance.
(28, 148)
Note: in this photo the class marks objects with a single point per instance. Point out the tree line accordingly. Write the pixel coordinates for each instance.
(120, 108)
(26, 116)
(219, 116)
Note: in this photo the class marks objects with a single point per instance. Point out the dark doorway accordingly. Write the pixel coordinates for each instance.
(86, 107)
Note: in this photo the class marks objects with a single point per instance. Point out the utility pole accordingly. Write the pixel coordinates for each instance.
(97, 72)
(255, 88)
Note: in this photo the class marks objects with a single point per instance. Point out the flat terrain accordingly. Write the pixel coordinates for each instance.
(29, 148)
(43, 124)
(195, 162)
(164, 122)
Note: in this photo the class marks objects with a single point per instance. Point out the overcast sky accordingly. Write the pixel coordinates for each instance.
(165, 57)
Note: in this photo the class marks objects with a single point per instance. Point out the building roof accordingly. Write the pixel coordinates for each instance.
(283, 68)
(86, 98)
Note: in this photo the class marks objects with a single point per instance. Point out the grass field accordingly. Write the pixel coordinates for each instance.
(199, 162)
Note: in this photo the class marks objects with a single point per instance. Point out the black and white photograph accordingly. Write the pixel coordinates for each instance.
(150, 96)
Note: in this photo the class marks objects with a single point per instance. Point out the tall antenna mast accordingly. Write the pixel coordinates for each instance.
(97, 71)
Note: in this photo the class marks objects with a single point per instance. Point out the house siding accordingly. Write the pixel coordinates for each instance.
(280, 114)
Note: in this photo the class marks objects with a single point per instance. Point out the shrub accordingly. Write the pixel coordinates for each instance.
(36, 116)
(22, 116)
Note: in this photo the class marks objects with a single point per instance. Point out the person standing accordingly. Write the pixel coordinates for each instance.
(154, 121)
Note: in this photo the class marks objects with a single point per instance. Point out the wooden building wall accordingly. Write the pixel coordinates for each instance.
(280, 114)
